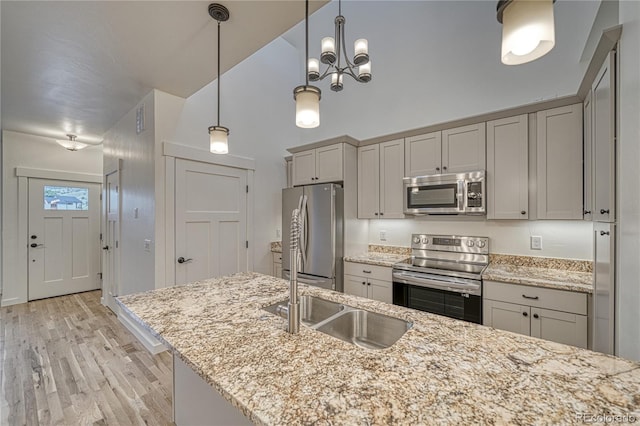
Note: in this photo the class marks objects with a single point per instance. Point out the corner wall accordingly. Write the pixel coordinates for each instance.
(24, 150)
(137, 191)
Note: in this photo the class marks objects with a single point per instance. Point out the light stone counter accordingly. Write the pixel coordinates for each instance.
(441, 371)
(376, 258)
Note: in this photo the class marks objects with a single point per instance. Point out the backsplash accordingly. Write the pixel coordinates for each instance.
(405, 251)
(542, 262)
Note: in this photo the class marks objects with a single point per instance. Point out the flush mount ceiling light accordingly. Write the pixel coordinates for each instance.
(307, 97)
(218, 135)
(72, 144)
(334, 54)
(527, 29)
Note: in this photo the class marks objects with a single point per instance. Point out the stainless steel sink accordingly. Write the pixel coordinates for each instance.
(366, 329)
(359, 327)
(313, 310)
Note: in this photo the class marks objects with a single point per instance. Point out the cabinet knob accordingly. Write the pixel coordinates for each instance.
(524, 314)
(376, 213)
(444, 167)
(523, 212)
(603, 211)
(604, 233)
(381, 214)
(536, 316)
(363, 283)
(368, 283)
(587, 212)
(437, 169)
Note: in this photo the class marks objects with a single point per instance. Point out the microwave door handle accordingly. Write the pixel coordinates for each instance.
(461, 196)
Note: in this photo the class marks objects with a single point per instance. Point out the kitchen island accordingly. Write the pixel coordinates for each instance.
(441, 371)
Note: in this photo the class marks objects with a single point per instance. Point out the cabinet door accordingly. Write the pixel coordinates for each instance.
(369, 182)
(289, 168)
(423, 154)
(561, 327)
(506, 316)
(508, 168)
(464, 149)
(329, 163)
(559, 159)
(604, 288)
(355, 285)
(380, 290)
(588, 158)
(604, 142)
(277, 270)
(304, 167)
(391, 174)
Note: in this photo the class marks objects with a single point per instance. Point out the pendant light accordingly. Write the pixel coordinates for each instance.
(528, 31)
(218, 135)
(72, 144)
(307, 97)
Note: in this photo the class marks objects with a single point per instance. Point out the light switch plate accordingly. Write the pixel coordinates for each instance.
(147, 245)
(383, 235)
(536, 242)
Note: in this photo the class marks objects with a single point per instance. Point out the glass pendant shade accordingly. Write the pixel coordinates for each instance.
(307, 106)
(527, 30)
(218, 140)
(72, 144)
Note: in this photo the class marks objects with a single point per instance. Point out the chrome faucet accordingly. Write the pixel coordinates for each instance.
(297, 229)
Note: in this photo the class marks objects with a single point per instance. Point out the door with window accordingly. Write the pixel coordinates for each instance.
(63, 237)
(210, 221)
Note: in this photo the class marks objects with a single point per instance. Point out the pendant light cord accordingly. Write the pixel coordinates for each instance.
(306, 48)
(218, 73)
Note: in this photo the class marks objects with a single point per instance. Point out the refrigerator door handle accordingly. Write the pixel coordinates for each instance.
(304, 213)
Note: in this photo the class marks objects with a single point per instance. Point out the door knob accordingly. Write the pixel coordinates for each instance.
(601, 233)
(183, 260)
(33, 237)
(34, 245)
(587, 212)
(105, 248)
(603, 211)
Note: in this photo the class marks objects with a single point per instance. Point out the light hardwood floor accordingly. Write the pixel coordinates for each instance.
(69, 361)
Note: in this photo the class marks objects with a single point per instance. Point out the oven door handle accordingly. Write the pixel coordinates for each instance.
(463, 288)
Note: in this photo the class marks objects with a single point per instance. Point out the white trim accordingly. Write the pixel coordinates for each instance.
(113, 165)
(149, 342)
(22, 269)
(58, 175)
(249, 219)
(170, 221)
(196, 154)
(12, 301)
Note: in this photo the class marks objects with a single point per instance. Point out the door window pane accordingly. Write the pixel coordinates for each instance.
(66, 198)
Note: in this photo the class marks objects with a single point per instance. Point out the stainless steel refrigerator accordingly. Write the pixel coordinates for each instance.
(321, 243)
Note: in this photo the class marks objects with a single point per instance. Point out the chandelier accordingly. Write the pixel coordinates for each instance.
(334, 54)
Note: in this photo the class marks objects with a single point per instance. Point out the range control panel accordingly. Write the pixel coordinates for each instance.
(453, 243)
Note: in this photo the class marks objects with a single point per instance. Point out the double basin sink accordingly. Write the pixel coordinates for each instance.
(357, 326)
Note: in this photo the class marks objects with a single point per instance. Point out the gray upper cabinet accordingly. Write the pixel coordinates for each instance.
(604, 144)
(508, 168)
(423, 155)
(463, 149)
(380, 173)
(318, 165)
(559, 163)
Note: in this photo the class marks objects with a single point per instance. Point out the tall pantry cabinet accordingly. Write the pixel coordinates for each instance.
(600, 199)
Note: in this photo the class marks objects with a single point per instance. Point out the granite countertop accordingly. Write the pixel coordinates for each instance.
(561, 274)
(376, 258)
(441, 371)
(276, 246)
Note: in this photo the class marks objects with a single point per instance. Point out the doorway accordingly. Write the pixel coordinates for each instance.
(110, 241)
(63, 237)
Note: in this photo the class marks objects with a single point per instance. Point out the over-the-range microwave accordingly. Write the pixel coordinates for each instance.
(454, 193)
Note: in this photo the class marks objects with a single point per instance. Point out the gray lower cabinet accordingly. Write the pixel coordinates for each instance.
(556, 315)
(277, 265)
(370, 281)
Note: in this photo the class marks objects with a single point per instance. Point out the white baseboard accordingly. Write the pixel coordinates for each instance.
(12, 301)
(148, 341)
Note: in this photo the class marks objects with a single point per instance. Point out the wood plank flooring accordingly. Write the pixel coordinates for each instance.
(69, 361)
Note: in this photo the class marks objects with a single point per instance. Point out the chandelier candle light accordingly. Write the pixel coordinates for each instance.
(218, 135)
(72, 144)
(307, 97)
(527, 29)
(334, 54)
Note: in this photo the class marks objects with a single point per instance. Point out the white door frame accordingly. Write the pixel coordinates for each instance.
(171, 152)
(23, 174)
(114, 166)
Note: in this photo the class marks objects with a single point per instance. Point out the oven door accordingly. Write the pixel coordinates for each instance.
(434, 198)
(438, 297)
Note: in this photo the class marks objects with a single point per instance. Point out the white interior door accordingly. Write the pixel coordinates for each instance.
(110, 249)
(63, 238)
(211, 221)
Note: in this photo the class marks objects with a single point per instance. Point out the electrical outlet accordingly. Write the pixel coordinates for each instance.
(278, 233)
(383, 235)
(147, 245)
(135, 213)
(536, 243)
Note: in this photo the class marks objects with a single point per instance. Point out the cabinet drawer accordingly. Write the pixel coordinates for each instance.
(277, 257)
(557, 300)
(382, 273)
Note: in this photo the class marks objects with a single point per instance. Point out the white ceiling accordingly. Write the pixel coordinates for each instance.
(79, 66)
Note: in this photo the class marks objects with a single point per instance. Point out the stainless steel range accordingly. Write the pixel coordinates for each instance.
(443, 276)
